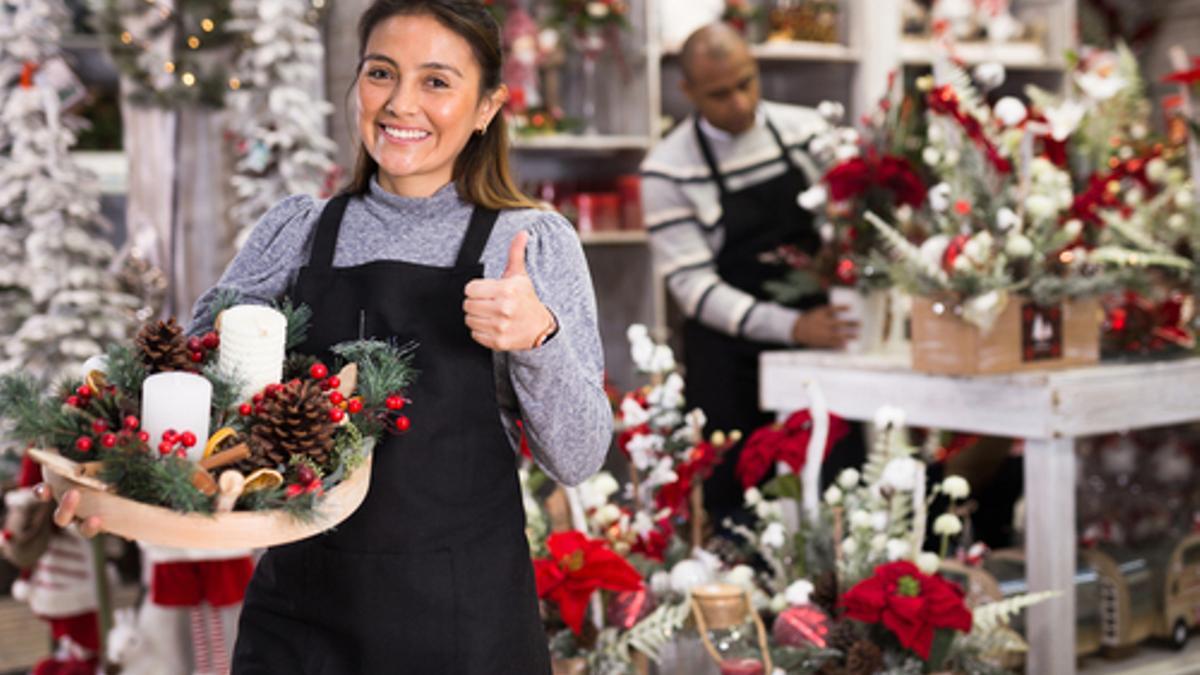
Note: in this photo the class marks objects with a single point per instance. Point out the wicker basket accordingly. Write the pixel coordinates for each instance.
(164, 527)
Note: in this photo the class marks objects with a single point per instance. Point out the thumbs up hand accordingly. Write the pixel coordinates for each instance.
(505, 314)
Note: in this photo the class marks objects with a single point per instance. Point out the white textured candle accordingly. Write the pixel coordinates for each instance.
(253, 340)
(179, 401)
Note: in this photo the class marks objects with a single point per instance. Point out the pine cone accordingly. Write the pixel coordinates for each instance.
(864, 658)
(825, 592)
(843, 636)
(163, 347)
(295, 421)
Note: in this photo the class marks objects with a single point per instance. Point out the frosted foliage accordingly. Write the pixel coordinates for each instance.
(282, 146)
(60, 300)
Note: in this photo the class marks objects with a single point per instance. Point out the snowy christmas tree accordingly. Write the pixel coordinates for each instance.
(79, 302)
(279, 120)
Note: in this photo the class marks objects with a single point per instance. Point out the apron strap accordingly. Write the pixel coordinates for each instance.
(787, 156)
(325, 242)
(482, 221)
(709, 158)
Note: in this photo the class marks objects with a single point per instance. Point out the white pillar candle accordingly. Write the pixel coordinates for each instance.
(179, 401)
(253, 340)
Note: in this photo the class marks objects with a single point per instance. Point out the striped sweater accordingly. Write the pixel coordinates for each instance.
(682, 209)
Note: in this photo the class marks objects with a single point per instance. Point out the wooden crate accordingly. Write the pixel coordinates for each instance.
(1025, 337)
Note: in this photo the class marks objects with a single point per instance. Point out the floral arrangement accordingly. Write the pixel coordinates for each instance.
(854, 591)
(290, 440)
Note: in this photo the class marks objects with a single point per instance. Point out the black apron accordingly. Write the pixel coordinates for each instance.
(722, 370)
(432, 573)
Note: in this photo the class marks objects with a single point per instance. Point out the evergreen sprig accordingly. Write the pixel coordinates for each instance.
(383, 367)
(226, 393)
(301, 507)
(223, 299)
(298, 318)
(38, 420)
(162, 481)
(124, 368)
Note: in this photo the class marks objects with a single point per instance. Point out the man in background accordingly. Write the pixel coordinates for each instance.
(720, 201)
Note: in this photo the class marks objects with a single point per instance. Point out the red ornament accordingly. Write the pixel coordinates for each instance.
(164, 448)
(257, 398)
(99, 426)
(336, 397)
(210, 341)
(801, 627)
(245, 409)
(847, 272)
(132, 422)
(108, 440)
(402, 423)
(83, 444)
(196, 357)
(953, 250)
(83, 391)
(144, 436)
(181, 454)
(294, 490)
(355, 406)
(73, 401)
(170, 435)
(194, 344)
(337, 414)
(334, 381)
(394, 402)
(188, 439)
(318, 371)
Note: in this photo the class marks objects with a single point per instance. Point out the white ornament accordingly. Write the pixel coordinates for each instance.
(1010, 111)
(798, 592)
(773, 536)
(947, 525)
(929, 563)
(848, 479)
(813, 198)
(687, 574)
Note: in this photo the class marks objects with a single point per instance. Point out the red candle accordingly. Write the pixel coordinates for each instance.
(742, 667)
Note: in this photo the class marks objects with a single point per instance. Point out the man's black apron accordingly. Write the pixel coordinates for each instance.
(722, 370)
(432, 574)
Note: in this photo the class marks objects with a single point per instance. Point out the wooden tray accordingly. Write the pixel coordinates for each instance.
(164, 527)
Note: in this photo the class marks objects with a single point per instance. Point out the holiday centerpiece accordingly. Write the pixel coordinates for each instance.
(1004, 263)
(220, 440)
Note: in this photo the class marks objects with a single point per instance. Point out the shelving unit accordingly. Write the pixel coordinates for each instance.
(614, 238)
(582, 143)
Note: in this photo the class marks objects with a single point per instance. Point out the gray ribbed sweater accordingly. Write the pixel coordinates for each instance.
(557, 389)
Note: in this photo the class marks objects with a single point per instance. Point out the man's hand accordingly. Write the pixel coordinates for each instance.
(505, 314)
(824, 327)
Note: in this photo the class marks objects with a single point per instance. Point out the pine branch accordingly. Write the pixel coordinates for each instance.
(652, 633)
(226, 393)
(904, 250)
(298, 318)
(1134, 235)
(165, 481)
(1117, 255)
(224, 299)
(383, 368)
(39, 420)
(124, 368)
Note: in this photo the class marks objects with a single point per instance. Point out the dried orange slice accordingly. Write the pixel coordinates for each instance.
(220, 436)
(262, 479)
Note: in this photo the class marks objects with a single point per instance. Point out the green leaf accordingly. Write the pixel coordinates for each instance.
(943, 638)
(784, 486)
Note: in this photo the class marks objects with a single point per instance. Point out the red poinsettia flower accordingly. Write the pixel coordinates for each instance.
(577, 566)
(654, 543)
(787, 442)
(909, 603)
(853, 177)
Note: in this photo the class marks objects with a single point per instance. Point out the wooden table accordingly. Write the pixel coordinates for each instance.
(1048, 409)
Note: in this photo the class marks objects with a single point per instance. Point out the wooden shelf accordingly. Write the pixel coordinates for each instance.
(783, 50)
(614, 238)
(574, 143)
(1015, 55)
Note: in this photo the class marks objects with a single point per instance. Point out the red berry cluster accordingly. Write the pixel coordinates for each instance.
(175, 442)
(82, 396)
(108, 439)
(200, 345)
(330, 383)
(395, 403)
(307, 480)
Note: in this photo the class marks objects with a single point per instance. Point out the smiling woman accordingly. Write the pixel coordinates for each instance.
(432, 243)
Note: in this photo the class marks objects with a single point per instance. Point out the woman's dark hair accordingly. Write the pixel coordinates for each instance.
(481, 173)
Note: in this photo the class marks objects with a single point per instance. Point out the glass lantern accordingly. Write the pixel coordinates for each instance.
(733, 633)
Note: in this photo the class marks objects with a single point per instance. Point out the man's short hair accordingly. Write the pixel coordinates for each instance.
(713, 41)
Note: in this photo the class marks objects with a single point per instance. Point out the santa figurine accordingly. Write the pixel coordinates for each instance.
(522, 60)
(188, 620)
(58, 577)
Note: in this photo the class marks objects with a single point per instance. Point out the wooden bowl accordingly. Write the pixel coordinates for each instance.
(164, 527)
